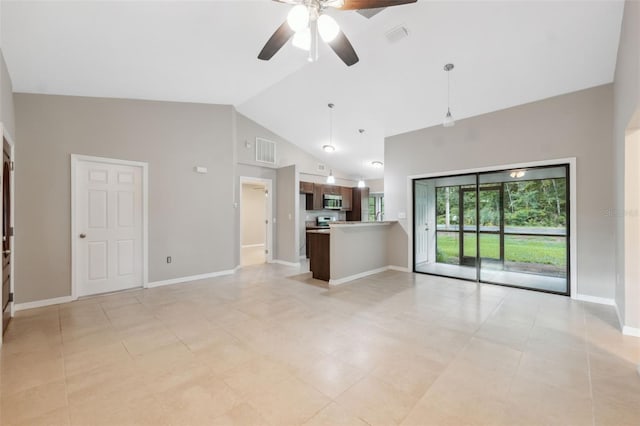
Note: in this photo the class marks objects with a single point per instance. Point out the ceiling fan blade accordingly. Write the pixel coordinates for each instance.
(277, 40)
(343, 48)
(372, 4)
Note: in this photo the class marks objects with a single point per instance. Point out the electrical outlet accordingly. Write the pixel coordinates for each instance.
(168, 259)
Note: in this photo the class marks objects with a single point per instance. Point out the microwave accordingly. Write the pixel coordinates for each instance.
(332, 202)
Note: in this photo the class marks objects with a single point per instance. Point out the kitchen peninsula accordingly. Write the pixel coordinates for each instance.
(350, 250)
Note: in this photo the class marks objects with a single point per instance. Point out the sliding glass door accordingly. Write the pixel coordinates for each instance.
(507, 227)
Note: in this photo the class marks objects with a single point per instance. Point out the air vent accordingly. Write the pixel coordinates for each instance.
(265, 151)
(322, 167)
(396, 34)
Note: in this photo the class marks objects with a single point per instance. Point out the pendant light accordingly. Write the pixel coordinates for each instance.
(448, 118)
(329, 147)
(361, 181)
(331, 179)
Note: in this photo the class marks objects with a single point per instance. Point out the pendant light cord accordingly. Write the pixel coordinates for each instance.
(449, 91)
(331, 124)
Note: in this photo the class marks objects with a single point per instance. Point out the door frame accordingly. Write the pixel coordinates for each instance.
(573, 218)
(75, 160)
(269, 243)
(5, 134)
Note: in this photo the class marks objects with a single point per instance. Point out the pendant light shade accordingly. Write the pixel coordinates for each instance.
(449, 121)
(331, 179)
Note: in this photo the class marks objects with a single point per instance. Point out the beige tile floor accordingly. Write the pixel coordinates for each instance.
(258, 348)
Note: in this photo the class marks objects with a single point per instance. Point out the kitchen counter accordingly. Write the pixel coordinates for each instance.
(349, 250)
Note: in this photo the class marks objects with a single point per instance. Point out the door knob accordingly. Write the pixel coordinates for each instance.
(83, 235)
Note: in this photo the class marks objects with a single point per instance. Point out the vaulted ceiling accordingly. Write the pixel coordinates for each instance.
(505, 53)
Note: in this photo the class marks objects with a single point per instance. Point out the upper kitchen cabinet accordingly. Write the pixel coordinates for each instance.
(347, 194)
(317, 202)
(360, 206)
(306, 187)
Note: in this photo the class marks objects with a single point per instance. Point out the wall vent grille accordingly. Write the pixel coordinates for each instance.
(265, 151)
(322, 167)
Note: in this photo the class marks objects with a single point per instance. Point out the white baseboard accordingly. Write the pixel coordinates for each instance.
(191, 278)
(358, 276)
(398, 268)
(630, 331)
(620, 320)
(252, 245)
(285, 263)
(42, 303)
(595, 299)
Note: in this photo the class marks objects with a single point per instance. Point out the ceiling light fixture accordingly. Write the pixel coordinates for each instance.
(448, 119)
(330, 178)
(328, 28)
(329, 147)
(377, 163)
(298, 18)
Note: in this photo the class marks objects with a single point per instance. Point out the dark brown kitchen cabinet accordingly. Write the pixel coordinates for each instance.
(360, 205)
(306, 187)
(318, 192)
(347, 194)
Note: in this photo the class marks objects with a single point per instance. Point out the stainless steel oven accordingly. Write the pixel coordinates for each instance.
(332, 202)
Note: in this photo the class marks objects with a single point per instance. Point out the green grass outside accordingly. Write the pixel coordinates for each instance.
(540, 250)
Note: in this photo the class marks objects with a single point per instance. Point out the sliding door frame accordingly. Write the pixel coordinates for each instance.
(571, 234)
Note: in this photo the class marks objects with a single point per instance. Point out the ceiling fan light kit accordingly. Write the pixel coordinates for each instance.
(309, 16)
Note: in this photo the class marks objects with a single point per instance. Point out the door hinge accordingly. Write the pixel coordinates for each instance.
(266, 252)
(12, 165)
(266, 221)
(11, 231)
(10, 297)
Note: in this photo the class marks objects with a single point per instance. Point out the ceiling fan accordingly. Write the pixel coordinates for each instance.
(307, 21)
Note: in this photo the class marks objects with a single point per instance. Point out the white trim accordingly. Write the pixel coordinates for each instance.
(5, 134)
(626, 330)
(252, 245)
(12, 156)
(631, 331)
(75, 159)
(42, 303)
(573, 204)
(269, 237)
(398, 268)
(181, 280)
(358, 276)
(594, 299)
(285, 263)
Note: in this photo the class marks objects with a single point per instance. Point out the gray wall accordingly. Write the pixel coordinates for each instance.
(189, 213)
(574, 125)
(626, 116)
(287, 239)
(6, 99)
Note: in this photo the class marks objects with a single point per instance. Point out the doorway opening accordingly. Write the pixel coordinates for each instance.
(255, 221)
(7, 232)
(507, 227)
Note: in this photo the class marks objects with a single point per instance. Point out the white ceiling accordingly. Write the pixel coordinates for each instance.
(505, 53)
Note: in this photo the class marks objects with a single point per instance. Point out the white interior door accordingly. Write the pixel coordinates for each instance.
(108, 227)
